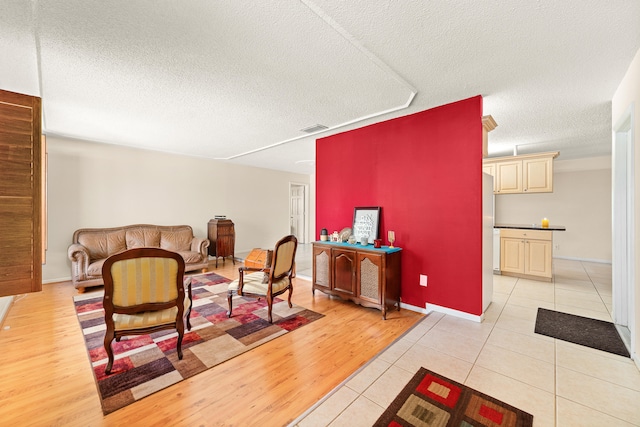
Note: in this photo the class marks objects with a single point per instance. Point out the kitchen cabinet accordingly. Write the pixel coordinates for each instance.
(530, 173)
(363, 274)
(490, 169)
(509, 177)
(538, 175)
(526, 253)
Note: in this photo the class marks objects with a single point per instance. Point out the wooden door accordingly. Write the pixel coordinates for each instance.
(512, 255)
(370, 276)
(20, 194)
(537, 258)
(297, 212)
(344, 271)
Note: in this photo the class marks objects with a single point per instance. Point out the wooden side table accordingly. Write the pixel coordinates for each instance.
(222, 235)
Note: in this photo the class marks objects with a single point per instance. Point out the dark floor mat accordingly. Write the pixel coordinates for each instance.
(592, 333)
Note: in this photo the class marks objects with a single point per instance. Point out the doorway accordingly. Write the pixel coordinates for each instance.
(298, 211)
(623, 265)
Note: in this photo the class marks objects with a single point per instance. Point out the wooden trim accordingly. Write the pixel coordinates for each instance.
(552, 154)
(488, 124)
(44, 221)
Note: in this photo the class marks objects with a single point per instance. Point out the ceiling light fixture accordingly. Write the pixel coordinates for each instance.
(314, 128)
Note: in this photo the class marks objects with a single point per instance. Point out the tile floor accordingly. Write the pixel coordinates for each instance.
(560, 383)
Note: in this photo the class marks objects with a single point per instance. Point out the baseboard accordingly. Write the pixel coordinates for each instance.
(452, 312)
(570, 258)
(413, 308)
(5, 304)
(61, 279)
(636, 360)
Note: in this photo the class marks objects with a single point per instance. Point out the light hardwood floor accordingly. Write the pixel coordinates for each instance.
(46, 378)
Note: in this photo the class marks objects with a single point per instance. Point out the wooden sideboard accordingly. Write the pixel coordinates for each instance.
(222, 238)
(363, 274)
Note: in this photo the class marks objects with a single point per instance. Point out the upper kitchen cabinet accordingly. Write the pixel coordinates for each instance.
(529, 173)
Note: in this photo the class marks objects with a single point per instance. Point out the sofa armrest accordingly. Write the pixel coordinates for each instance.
(200, 245)
(79, 256)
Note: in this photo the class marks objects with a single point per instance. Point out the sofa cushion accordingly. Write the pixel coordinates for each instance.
(95, 268)
(191, 257)
(103, 244)
(176, 241)
(143, 238)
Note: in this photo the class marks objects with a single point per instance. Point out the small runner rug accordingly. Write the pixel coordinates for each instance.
(580, 330)
(145, 364)
(430, 399)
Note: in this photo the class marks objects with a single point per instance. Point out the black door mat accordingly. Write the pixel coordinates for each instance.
(580, 330)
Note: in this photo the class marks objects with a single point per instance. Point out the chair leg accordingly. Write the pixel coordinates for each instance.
(290, 292)
(230, 302)
(179, 343)
(108, 337)
(269, 305)
(188, 316)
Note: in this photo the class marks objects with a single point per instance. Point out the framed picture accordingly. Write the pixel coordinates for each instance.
(366, 222)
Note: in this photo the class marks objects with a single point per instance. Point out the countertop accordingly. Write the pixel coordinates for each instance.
(551, 227)
(368, 247)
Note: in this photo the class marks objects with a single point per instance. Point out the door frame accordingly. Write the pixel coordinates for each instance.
(623, 227)
(304, 238)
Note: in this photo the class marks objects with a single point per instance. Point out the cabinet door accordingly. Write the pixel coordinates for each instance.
(537, 258)
(370, 276)
(344, 271)
(321, 267)
(538, 175)
(509, 177)
(512, 255)
(490, 168)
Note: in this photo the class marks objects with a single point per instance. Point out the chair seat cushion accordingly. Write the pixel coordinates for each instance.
(149, 318)
(253, 284)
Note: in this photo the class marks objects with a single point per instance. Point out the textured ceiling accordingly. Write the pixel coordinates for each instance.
(239, 80)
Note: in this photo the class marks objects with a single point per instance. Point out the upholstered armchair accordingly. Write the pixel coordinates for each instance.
(144, 292)
(267, 282)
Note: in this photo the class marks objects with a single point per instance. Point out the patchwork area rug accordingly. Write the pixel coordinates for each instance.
(148, 363)
(580, 330)
(430, 399)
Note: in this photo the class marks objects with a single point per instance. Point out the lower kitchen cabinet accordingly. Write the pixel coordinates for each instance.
(526, 253)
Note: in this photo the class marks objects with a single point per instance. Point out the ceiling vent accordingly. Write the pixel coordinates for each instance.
(314, 128)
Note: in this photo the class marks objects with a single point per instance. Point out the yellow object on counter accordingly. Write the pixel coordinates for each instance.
(545, 223)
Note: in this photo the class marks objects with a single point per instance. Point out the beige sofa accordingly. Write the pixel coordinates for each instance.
(92, 246)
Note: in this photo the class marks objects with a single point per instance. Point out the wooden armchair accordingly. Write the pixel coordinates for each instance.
(144, 292)
(267, 282)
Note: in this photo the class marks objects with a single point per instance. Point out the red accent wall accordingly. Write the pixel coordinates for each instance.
(425, 171)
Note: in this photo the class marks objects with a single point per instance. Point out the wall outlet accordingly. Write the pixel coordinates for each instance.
(556, 247)
(423, 280)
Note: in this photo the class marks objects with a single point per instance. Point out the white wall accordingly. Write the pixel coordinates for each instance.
(629, 93)
(101, 185)
(581, 201)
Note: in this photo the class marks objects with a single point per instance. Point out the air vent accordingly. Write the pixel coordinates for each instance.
(314, 128)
